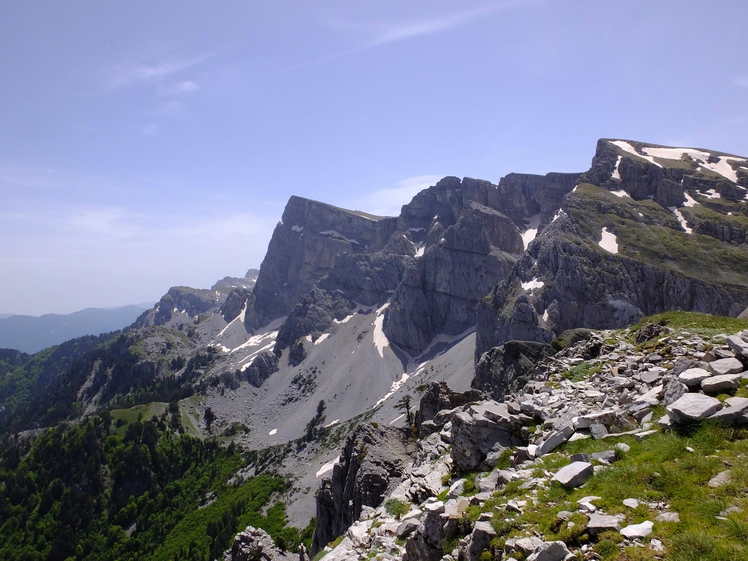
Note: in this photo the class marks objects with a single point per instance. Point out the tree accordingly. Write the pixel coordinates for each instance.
(209, 417)
(404, 405)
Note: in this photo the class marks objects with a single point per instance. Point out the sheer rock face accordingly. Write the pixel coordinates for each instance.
(371, 464)
(303, 249)
(507, 368)
(470, 235)
(674, 242)
(439, 397)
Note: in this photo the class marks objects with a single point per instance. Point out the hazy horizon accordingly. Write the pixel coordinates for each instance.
(152, 145)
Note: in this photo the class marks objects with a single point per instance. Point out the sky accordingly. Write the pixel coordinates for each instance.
(147, 144)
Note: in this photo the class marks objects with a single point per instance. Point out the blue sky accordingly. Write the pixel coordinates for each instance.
(148, 144)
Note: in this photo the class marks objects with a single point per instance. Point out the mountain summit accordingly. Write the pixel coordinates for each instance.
(350, 314)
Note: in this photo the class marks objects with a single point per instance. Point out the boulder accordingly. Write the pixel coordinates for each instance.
(693, 377)
(693, 407)
(634, 531)
(735, 412)
(574, 474)
(726, 366)
(254, 544)
(481, 430)
(599, 523)
(480, 540)
(554, 440)
(721, 384)
(673, 391)
(738, 345)
(720, 480)
(550, 551)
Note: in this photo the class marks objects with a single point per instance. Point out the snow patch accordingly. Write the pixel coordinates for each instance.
(273, 432)
(545, 316)
(616, 174)
(690, 201)
(626, 147)
(395, 386)
(721, 166)
(255, 340)
(558, 215)
(327, 467)
(420, 249)
(608, 241)
(332, 423)
(396, 419)
(380, 339)
(240, 318)
(532, 230)
(533, 284)
(712, 194)
(621, 193)
(681, 219)
(321, 338)
(346, 319)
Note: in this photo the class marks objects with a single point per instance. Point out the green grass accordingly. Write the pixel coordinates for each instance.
(659, 468)
(694, 322)
(662, 243)
(144, 412)
(396, 507)
(581, 371)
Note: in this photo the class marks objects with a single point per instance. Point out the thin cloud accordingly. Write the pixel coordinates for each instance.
(741, 81)
(387, 33)
(131, 74)
(389, 200)
(184, 87)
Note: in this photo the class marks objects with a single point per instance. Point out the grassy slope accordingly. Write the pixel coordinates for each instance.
(660, 468)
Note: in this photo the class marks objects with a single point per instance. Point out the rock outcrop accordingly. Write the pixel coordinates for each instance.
(371, 463)
(509, 367)
(254, 544)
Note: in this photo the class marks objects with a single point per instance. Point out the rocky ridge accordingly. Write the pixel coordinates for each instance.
(493, 480)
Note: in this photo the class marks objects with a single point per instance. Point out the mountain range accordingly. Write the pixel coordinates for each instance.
(350, 313)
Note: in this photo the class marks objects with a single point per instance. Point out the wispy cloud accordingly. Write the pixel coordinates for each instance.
(184, 87)
(384, 33)
(741, 81)
(387, 201)
(130, 74)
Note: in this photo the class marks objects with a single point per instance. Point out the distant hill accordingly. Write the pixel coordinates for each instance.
(33, 333)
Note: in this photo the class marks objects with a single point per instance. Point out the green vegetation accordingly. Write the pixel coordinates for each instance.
(129, 490)
(396, 507)
(662, 243)
(581, 371)
(700, 324)
(713, 522)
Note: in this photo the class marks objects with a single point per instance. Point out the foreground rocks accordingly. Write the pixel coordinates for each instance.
(254, 544)
(602, 387)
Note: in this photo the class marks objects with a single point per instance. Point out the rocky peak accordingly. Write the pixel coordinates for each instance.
(303, 249)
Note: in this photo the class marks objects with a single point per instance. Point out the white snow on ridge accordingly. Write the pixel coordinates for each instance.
(240, 318)
(621, 193)
(721, 166)
(380, 339)
(420, 249)
(321, 338)
(608, 241)
(533, 284)
(690, 201)
(346, 319)
(712, 194)
(327, 467)
(332, 423)
(273, 432)
(396, 419)
(532, 230)
(545, 316)
(616, 174)
(257, 340)
(559, 213)
(395, 386)
(626, 147)
(681, 219)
